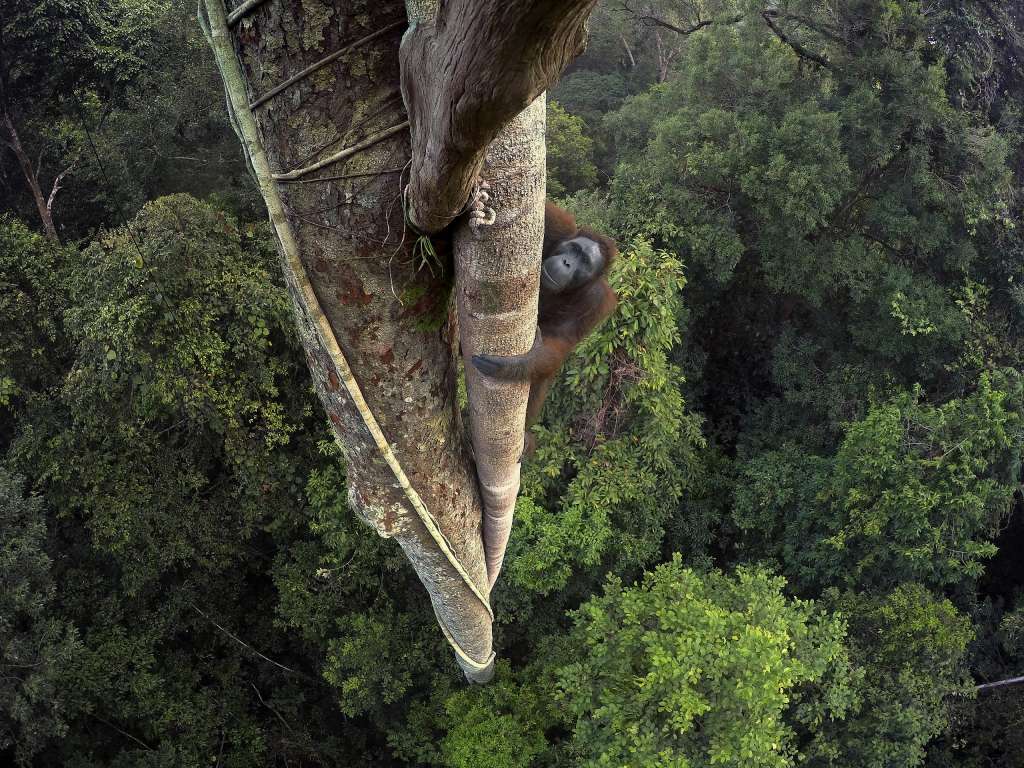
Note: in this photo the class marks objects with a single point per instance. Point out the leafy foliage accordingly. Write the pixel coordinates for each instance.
(33, 348)
(173, 326)
(172, 452)
(914, 492)
(675, 671)
(570, 153)
(36, 644)
(910, 646)
(496, 728)
(810, 390)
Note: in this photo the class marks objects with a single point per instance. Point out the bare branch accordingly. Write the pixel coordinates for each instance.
(999, 684)
(56, 185)
(654, 21)
(241, 642)
(120, 730)
(649, 20)
(31, 177)
(264, 703)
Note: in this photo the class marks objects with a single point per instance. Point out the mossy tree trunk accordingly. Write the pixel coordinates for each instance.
(358, 293)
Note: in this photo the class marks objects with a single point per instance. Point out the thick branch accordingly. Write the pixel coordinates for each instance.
(655, 21)
(56, 188)
(649, 20)
(798, 49)
(465, 75)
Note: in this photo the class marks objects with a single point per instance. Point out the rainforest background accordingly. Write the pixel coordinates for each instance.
(775, 518)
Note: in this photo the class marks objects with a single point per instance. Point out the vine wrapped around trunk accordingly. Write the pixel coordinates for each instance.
(364, 313)
(314, 91)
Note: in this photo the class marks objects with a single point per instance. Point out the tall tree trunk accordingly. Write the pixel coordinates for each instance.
(497, 280)
(315, 97)
(389, 320)
(43, 205)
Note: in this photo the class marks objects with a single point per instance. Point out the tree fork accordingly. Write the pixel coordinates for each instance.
(44, 206)
(342, 288)
(467, 70)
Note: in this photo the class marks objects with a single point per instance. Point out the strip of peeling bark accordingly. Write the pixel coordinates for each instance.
(349, 250)
(497, 280)
(466, 72)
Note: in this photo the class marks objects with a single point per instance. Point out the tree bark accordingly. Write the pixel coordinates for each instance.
(497, 280)
(388, 320)
(466, 72)
(315, 96)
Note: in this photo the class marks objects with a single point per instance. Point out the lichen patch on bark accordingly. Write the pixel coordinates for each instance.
(315, 17)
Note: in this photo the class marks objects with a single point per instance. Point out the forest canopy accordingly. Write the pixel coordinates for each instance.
(775, 514)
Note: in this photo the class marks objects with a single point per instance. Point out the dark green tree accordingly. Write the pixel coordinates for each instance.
(37, 645)
(569, 153)
(84, 53)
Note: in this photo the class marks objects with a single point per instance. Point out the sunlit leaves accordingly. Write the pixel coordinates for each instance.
(618, 423)
(700, 670)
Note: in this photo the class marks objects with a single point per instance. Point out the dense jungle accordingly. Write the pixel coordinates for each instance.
(775, 516)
